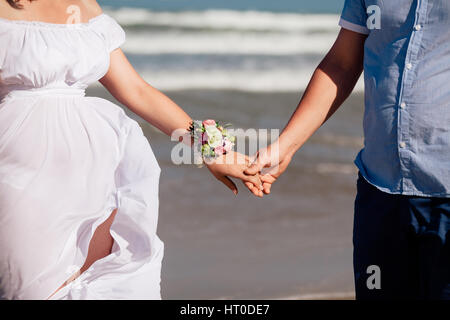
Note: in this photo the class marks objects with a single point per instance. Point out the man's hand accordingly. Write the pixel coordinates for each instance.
(234, 164)
(270, 164)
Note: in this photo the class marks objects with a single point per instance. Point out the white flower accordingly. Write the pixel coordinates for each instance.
(214, 136)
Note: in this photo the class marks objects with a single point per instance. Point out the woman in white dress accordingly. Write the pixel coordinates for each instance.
(78, 180)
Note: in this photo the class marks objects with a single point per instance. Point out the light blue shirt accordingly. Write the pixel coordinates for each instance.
(407, 94)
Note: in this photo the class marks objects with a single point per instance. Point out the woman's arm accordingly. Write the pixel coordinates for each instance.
(128, 87)
(330, 85)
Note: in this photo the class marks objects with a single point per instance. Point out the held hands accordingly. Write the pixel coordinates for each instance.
(234, 165)
(270, 163)
(214, 143)
(257, 175)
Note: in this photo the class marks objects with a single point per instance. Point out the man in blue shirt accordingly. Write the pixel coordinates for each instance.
(402, 209)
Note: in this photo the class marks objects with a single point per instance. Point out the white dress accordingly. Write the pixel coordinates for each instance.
(66, 162)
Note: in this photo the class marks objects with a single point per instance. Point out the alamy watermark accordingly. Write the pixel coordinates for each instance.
(74, 13)
(374, 19)
(374, 280)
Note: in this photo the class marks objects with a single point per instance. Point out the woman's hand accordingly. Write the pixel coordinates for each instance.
(270, 163)
(234, 164)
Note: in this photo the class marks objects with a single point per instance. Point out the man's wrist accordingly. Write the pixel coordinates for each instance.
(287, 146)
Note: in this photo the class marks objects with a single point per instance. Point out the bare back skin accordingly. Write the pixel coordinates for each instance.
(51, 11)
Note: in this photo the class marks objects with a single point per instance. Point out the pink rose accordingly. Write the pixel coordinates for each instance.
(208, 123)
(228, 146)
(219, 150)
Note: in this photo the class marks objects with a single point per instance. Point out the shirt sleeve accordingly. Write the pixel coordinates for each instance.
(354, 16)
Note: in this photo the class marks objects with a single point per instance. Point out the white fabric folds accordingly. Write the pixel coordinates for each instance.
(66, 162)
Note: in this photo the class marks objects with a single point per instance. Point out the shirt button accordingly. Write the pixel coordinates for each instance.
(403, 105)
(409, 66)
(402, 145)
(418, 27)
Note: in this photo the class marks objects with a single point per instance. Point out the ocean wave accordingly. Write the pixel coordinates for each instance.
(252, 78)
(224, 31)
(227, 43)
(227, 20)
(253, 81)
(223, 49)
(225, 62)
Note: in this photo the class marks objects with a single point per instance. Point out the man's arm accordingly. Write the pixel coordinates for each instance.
(331, 84)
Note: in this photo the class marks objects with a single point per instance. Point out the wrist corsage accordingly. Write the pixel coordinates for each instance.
(211, 139)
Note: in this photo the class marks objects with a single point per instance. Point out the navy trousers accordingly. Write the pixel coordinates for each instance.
(401, 246)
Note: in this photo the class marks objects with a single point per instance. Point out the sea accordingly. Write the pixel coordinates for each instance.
(253, 45)
(247, 62)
